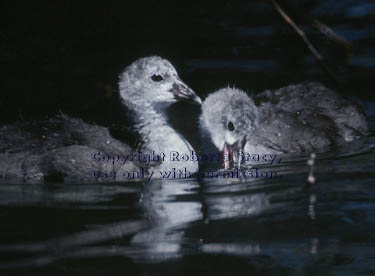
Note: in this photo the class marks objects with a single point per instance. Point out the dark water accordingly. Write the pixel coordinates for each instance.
(189, 227)
(173, 227)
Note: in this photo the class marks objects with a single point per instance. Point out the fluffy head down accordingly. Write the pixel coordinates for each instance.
(153, 79)
(228, 115)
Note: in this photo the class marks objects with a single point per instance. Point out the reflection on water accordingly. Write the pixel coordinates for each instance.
(271, 225)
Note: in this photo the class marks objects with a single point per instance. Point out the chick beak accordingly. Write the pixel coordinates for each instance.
(233, 154)
(227, 156)
(182, 92)
(239, 148)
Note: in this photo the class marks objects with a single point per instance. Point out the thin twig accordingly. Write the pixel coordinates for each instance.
(311, 162)
(310, 178)
(330, 34)
(302, 34)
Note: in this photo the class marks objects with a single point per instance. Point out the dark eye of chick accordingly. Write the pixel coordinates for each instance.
(230, 126)
(157, 78)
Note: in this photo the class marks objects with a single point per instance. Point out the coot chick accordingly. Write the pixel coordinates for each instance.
(298, 119)
(63, 148)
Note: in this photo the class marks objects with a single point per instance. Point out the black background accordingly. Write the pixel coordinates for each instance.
(66, 55)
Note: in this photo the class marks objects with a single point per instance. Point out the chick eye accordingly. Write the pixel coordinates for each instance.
(156, 78)
(230, 126)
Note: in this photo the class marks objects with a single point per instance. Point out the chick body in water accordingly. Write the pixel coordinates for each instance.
(63, 147)
(297, 119)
